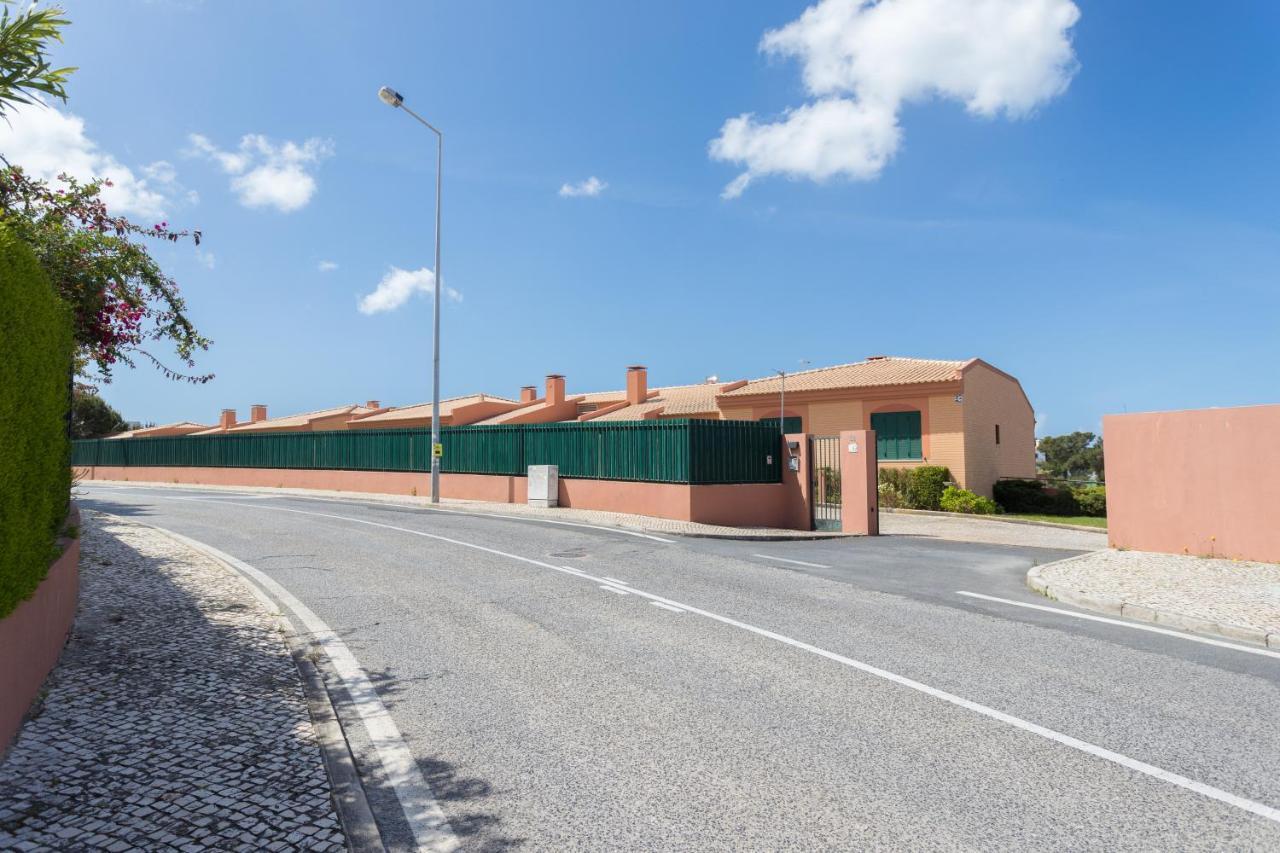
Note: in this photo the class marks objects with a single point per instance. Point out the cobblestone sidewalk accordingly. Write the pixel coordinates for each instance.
(174, 721)
(1232, 598)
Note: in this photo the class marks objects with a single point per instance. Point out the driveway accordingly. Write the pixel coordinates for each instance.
(578, 688)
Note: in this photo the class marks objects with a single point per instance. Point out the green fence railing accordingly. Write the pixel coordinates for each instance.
(674, 451)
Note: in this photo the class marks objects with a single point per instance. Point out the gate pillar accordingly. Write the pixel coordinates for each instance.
(859, 471)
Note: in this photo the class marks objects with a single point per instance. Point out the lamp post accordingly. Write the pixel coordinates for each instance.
(393, 98)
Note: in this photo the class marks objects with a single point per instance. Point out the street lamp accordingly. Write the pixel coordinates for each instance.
(393, 98)
(782, 397)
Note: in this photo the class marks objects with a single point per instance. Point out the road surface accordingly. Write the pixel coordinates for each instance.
(567, 687)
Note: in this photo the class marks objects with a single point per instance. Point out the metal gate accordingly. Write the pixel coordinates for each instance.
(824, 481)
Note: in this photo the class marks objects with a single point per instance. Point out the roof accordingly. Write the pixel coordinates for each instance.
(672, 401)
(423, 410)
(142, 431)
(288, 421)
(872, 373)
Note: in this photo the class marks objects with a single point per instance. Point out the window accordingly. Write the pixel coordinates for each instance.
(790, 424)
(897, 435)
(997, 433)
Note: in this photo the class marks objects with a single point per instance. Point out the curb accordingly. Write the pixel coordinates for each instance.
(1143, 613)
(347, 789)
(973, 517)
(800, 536)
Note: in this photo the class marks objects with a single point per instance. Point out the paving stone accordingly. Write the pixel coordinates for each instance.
(175, 719)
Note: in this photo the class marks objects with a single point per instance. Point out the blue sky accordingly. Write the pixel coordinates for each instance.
(1108, 237)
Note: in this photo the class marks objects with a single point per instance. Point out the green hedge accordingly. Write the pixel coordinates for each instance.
(963, 500)
(913, 488)
(1038, 497)
(35, 478)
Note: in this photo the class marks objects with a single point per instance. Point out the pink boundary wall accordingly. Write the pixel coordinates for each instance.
(32, 637)
(859, 483)
(1199, 482)
(781, 505)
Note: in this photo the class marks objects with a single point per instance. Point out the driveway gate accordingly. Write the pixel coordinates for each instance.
(824, 481)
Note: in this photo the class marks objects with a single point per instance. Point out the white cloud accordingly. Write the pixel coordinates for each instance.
(267, 174)
(47, 142)
(863, 60)
(327, 266)
(590, 188)
(397, 286)
(206, 259)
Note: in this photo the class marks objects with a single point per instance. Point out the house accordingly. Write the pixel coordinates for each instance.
(176, 428)
(967, 415)
(339, 417)
(455, 411)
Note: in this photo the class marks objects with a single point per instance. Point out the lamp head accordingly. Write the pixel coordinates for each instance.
(390, 96)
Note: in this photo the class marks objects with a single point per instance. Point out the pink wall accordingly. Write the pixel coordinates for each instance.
(32, 637)
(1200, 482)
(755, 505)
(859, 483)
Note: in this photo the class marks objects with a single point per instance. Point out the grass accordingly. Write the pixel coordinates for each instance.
(1081, 520)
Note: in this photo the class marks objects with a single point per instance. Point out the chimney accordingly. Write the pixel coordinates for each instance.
(555, 389)
(228, 419)
(637, 384)
(372, 404)
(257, 412)
(528, 394)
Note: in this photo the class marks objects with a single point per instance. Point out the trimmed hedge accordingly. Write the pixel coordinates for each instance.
(913, 488)
(1040, 498)
(35, 475)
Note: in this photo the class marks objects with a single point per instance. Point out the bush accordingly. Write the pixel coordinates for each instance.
(893, 487)
(829, 478)
(963, 500)
(1034, 497)
(1091, 500)
(35, 368)
(925, 486)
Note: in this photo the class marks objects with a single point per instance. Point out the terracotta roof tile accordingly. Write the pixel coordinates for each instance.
(423, 410)
(875, 372)
(675, 401)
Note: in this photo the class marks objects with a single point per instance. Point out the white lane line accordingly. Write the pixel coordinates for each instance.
(793, 562)
(614, 580)
(430, 827)
(380, 504)
(666, 607)
(1181, 635)
(1260, 809)
(613, 589)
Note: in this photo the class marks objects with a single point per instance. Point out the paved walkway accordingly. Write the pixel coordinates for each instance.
(175, 719)
(967, 529)
(1232, 598)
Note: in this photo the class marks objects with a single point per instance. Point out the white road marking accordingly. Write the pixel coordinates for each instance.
(379, 504)
(615, 580)
(1226, 797)
(1181, 635)
(613, 589)
(666, 607)
(430, 827)
(794, 562)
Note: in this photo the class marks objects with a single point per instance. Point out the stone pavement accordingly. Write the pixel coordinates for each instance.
(976, 529)
(1231, 598)
(175, 720)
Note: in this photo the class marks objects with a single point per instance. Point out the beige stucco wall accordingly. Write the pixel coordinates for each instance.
(833, 417)
(992, 398)
(946, 436)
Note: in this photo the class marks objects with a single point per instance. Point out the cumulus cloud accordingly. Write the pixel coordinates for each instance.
(267, 174)
(327, 266)
(863, 60)
(590, 188)
(397, 286)
(47, 143)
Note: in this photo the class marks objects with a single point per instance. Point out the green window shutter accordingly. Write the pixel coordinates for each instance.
(897, 435)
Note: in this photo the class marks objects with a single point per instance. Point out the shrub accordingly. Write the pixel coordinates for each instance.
(893, 487)
(963, 500)
(35, 369)
(1035, 497)
(925, 486)
(1091, 500)
(830, 480)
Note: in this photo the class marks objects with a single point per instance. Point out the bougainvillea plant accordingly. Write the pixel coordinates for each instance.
(120, 298)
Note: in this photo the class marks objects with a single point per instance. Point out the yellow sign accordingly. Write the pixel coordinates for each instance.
(437, 450)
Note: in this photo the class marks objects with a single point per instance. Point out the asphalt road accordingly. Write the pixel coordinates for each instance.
(573, 688)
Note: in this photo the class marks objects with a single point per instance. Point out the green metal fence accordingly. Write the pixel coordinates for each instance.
(675, 451)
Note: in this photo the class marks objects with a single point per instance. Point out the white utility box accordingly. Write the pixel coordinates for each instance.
(544, 485)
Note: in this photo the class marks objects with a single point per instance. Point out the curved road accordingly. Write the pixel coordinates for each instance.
(579, 688)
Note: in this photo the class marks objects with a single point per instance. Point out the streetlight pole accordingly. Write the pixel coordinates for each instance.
(395, 99)
(782, 404)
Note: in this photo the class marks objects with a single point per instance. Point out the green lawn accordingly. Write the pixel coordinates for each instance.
(1082, 520)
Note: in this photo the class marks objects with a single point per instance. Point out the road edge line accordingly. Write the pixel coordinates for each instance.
(1113, 606)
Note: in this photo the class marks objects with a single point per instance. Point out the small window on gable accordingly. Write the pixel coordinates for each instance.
(897, 435)
(997, 433)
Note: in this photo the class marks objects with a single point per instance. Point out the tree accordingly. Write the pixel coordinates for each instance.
(1075, 456)
(24, 71)
(93, 417)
